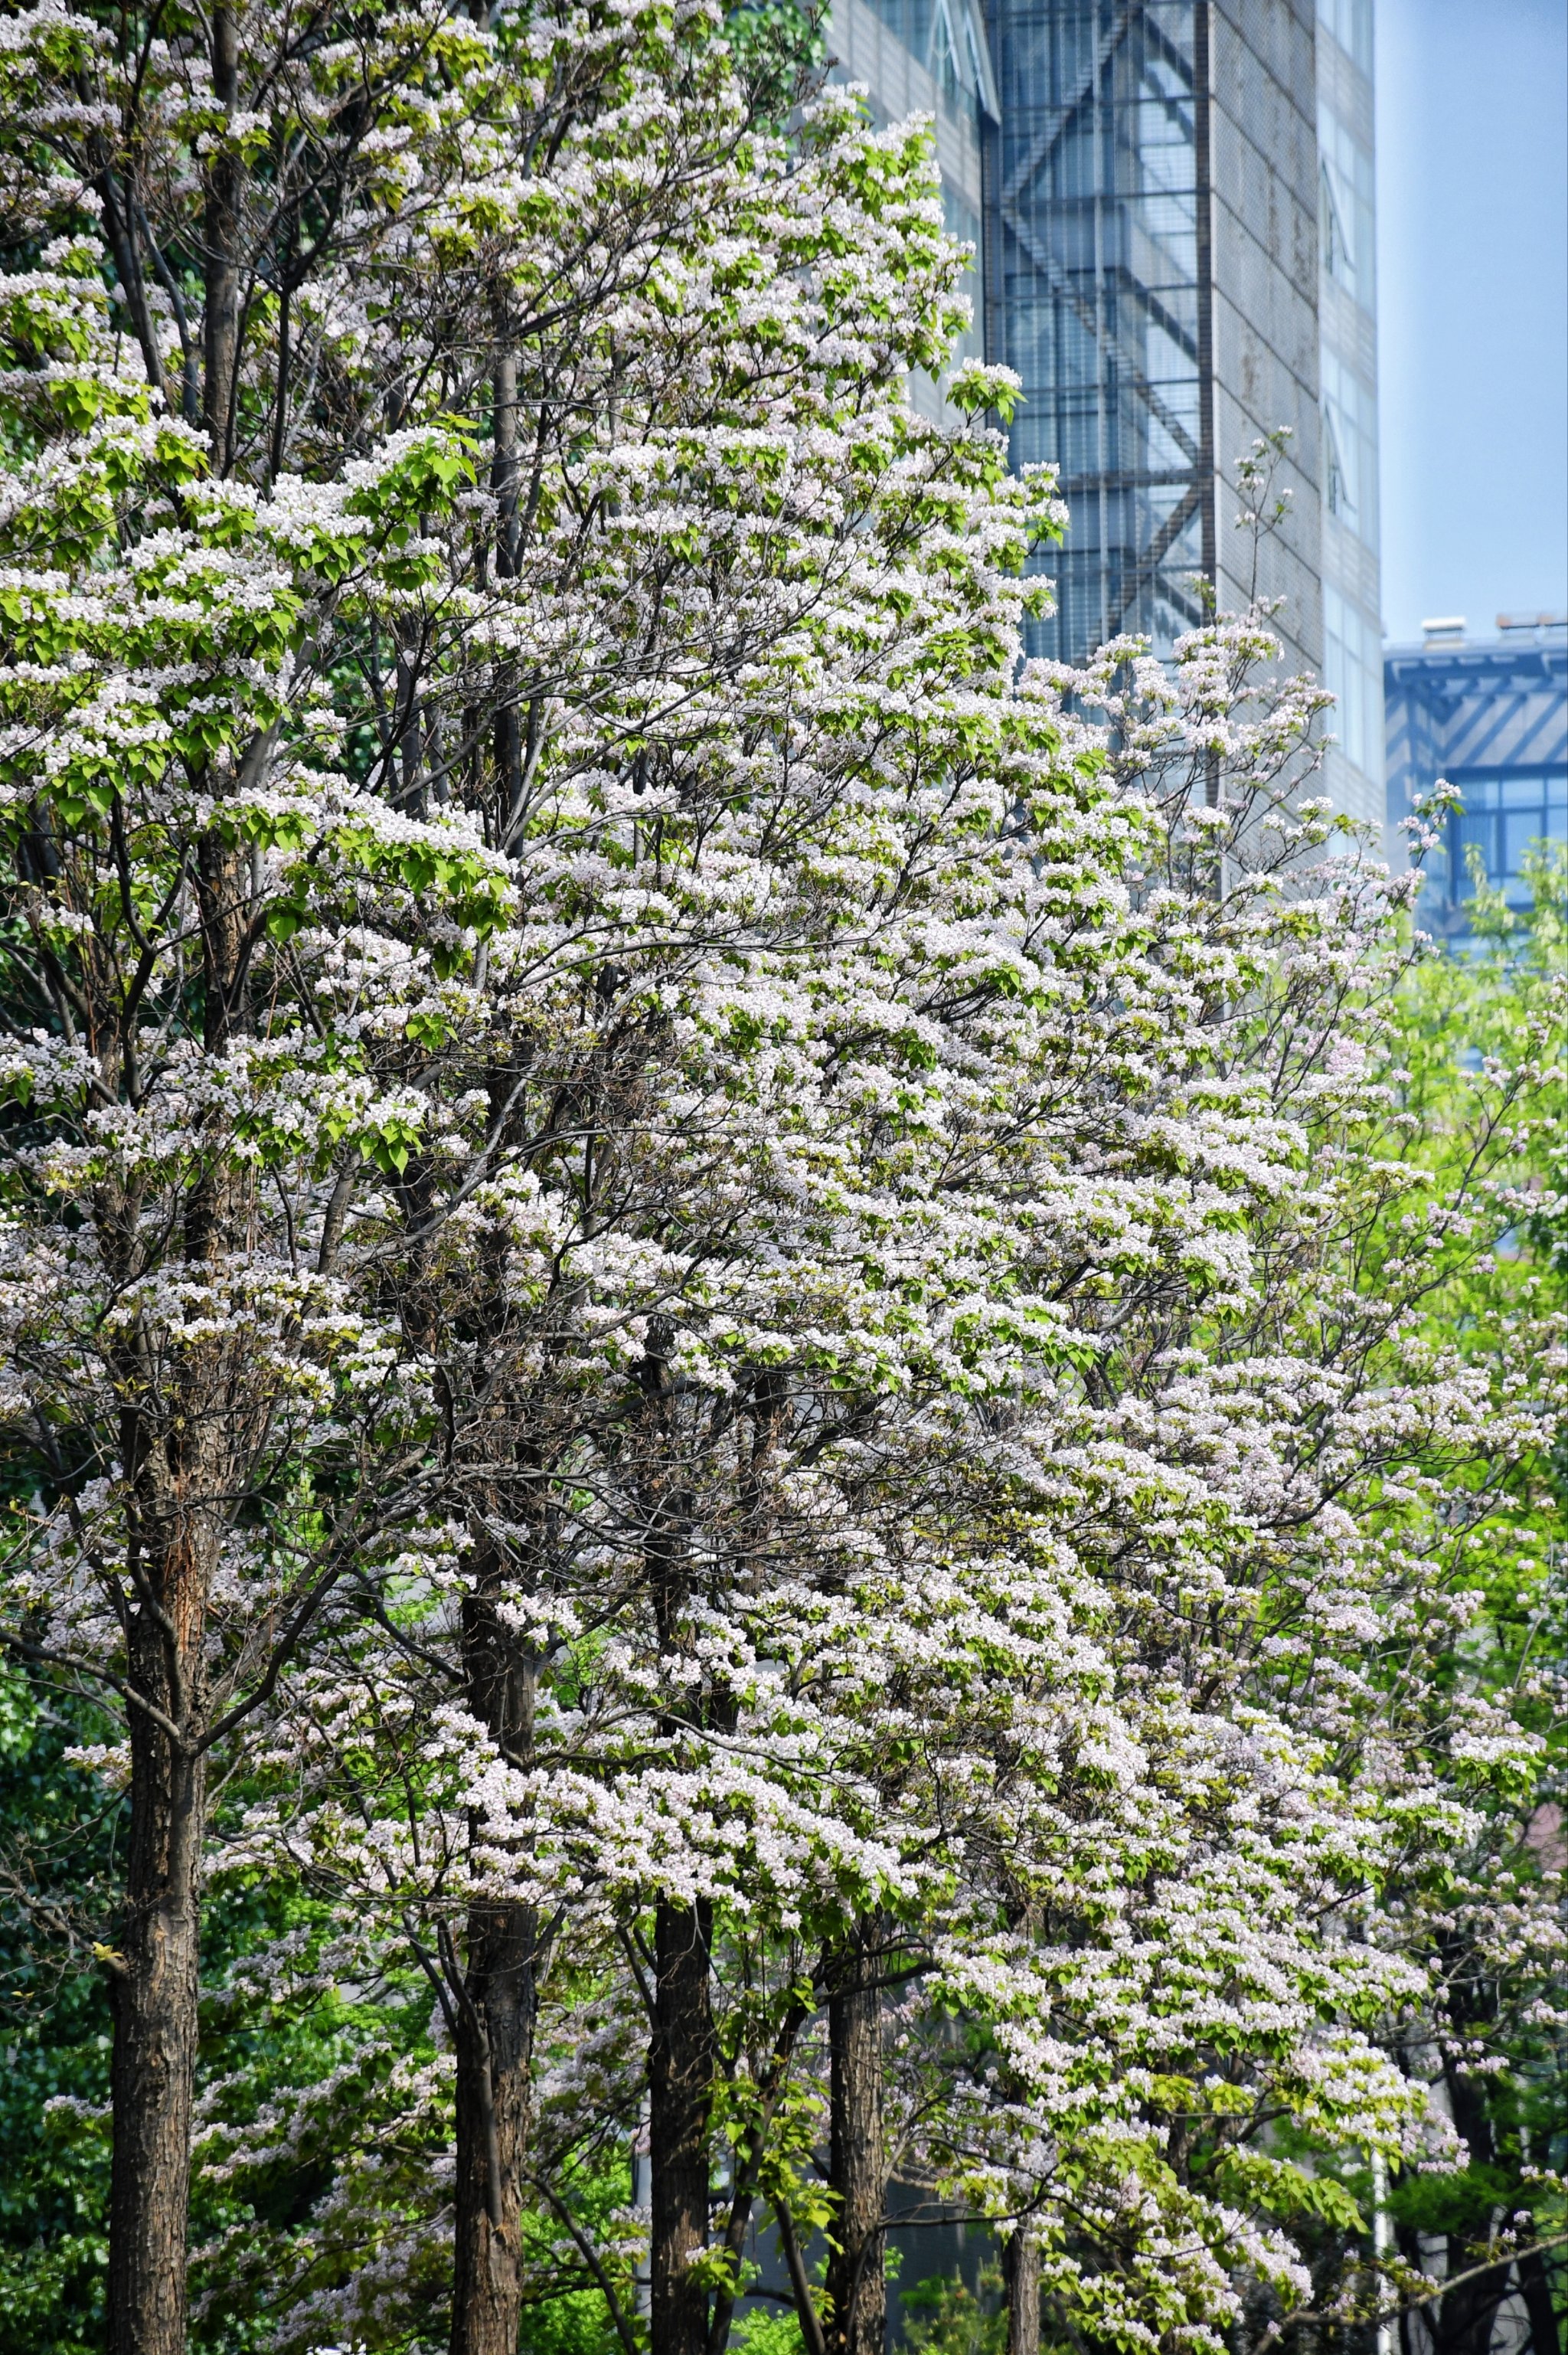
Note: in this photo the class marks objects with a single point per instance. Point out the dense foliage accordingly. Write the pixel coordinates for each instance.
(779, 1412)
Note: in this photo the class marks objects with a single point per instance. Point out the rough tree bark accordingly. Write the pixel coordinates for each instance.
(856, 2282)
(680, 2062)
(155, 1975)
(183, 1431)
(1535, 2289)
(220, 258)
(683, 2051)
(1021, 2271)
(496, 2017)
(504, 481)
(1465, 2317)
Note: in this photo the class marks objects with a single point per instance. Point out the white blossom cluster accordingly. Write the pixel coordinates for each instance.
(679, 1238)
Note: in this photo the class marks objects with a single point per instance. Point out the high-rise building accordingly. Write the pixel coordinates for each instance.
(931, 57)
(1171, 206)
(1490, 715)
(1347, 346)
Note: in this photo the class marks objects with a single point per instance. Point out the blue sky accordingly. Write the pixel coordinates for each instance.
(1472, 128)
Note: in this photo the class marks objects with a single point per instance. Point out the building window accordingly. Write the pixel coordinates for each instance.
(1501, 822)
(1336, 486)
(1352, 672)
(1349, 447)
(947, 67)
(1338, 254)
(1345, 208)
(1350, 22)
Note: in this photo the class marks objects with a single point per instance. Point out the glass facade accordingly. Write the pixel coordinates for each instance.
(1171, 203)
(947, 38)
(1503, 820)
(1154, 244)
(1349, 447)
(1101, 300)
(1490, 717)
(1347, 215)
(1352, 666)
(1349, 23)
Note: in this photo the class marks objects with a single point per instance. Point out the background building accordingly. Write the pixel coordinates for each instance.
(1172, 204)
(1157, 207)
(1347, 346)
(931, 57)
(1491, 716)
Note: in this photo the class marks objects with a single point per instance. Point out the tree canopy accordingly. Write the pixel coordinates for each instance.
(779, 1414)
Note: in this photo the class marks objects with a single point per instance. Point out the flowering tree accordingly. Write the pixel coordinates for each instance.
(177, 1347)
(652, 1197)
(1050, 1670)
(700, 1264)
(1478, 1043)
(1094, 1572)
(264, 259)
(1296, 1478)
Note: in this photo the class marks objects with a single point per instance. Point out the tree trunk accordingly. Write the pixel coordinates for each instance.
(496, 2015)
(1535, 2289)
(174, 1474)
(857, 2288)
(494, 2057)
(504, 482)
(682, 2052)
(1466, 2315)
(504, 466)
(220, 260)
(680, 2061)
(1021, 2268)
(153, 2068)
(184, 1433)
